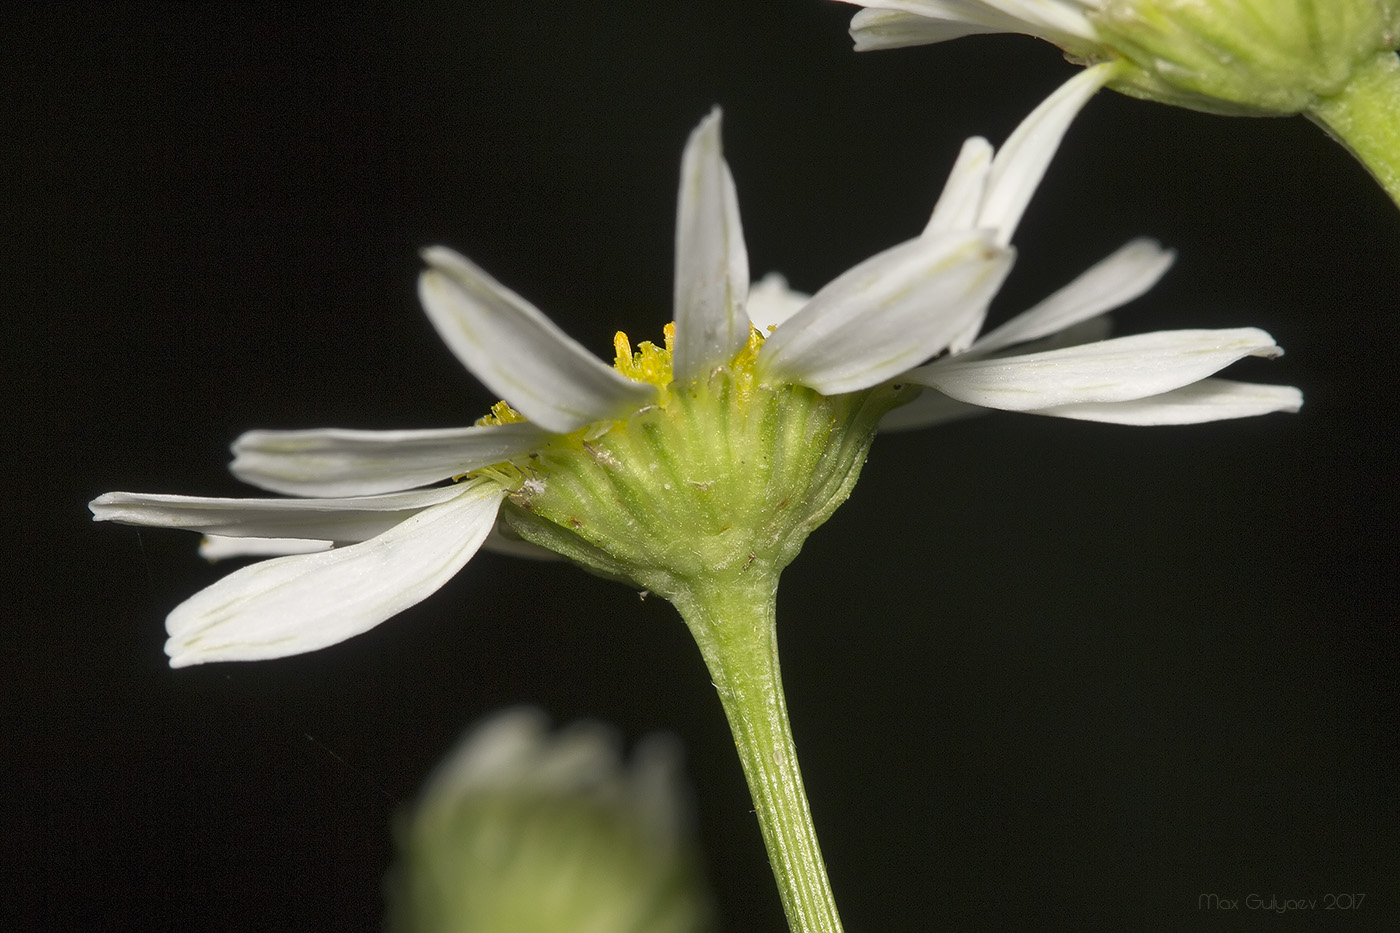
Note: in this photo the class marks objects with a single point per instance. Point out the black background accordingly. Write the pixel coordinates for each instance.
(1043, 674)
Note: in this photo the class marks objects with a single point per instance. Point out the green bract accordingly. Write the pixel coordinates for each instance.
(1242, 57)
(724, 476)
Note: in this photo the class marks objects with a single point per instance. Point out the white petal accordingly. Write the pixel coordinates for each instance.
(930, 408)
(1110, 283)
(519, 353)
(886, 314)
(352, 519)
(291, 605)
(961, 340)
(1060, 21)
(957, 209)
(876, 29)
(1021, 162)
(346, 462)
(1108, 371)
(214, 548)
(961, 200)
(712, 265)
(771, 302)
(1207, 400)
(1090, 331)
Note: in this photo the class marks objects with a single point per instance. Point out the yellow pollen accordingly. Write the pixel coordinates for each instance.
(649, 363)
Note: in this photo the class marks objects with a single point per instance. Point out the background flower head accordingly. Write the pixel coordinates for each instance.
(1257, 57)
(526, 828)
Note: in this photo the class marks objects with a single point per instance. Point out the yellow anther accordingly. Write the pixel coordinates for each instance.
(648, 363)
(622, 349)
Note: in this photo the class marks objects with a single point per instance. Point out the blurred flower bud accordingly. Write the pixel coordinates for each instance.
(524, 831)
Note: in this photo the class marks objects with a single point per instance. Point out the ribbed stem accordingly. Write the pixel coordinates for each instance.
(734, 623)
(1365, 118)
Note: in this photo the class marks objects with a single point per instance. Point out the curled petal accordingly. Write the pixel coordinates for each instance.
(712, 265)
(1109, 284)
(519, 353)
(345, 462)
(291, 605)
(1115, 370)
(1207, 400)
(886, 314)
(353, 519)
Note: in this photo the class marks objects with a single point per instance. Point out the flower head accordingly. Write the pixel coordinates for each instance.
(1259, 57)
(711, 456)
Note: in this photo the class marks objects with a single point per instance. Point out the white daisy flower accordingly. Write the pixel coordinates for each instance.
(690, 460)
(1255, 57)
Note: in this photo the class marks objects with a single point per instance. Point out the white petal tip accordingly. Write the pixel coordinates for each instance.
(442, 257)
(712, 269)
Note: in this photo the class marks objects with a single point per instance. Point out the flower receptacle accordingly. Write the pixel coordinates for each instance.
(724, 478)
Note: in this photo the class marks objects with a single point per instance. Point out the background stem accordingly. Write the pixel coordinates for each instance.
(1365, 118)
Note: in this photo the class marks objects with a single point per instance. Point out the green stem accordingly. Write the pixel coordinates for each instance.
(735, 624)
(1365, 118)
